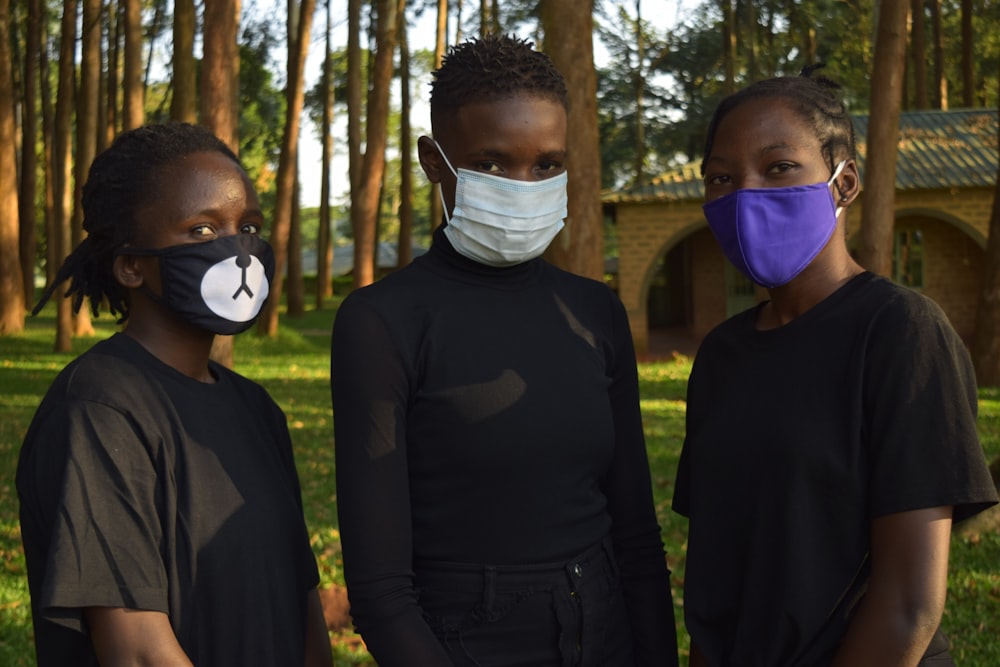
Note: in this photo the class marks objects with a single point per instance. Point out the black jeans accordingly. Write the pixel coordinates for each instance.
(560, 615)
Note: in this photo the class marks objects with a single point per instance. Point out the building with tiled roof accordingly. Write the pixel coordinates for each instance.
(672, 277)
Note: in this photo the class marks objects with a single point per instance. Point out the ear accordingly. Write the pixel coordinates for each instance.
(430, 159)
(127, 271)
(847, 185)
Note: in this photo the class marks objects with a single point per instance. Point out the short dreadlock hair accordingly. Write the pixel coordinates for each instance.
(814, 98)
(492, 68)
(122, 180)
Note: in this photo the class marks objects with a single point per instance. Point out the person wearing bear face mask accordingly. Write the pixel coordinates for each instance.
(492, 483)
(160, 507)
(831, 438)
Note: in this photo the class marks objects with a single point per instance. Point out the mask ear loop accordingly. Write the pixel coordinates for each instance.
(834, 183)
(444, 204)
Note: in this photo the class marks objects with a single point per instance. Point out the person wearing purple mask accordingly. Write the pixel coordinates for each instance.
(831, 439)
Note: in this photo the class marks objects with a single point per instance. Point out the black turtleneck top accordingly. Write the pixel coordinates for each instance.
(488, 415)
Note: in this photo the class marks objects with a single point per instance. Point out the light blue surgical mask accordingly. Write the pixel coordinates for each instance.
(501, 221)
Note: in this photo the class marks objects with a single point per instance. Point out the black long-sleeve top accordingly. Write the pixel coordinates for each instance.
(488, 415)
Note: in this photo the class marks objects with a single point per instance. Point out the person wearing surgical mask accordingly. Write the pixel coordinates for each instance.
(831, 435)
(493, 489)
(160, 507)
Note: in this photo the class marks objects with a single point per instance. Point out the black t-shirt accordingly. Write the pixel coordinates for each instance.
(487, 415)
(143, 488)
(797, 437)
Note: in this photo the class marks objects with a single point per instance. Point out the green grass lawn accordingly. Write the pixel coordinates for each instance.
(295, 367)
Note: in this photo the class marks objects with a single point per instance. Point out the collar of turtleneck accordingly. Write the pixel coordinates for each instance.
(442, 258)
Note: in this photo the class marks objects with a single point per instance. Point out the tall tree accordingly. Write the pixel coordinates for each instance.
(62, 167)
(324, 245)
(968, 62)
(112, 74)
(133, 104)
(877, 212)
(287, 162)
(11, 281)
(354, 96)
(986, 346)
(87, 99)
(728, 45)
(940, 88)
(184, 102)
(569, 28)
(28, 245)
(404, 247)
(918, 53)
(440, 44)
(220, 72)
(640, 101)
(365, 203)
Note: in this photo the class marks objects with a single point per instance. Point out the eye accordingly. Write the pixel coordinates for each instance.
(550, 168)
(717, 179)
(489, 167)
(250, 228)
(781, 167)
(202, 232)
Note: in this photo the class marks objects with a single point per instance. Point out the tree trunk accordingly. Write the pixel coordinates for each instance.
(11, 280)
(220, 71)
(440, 44)
(569, 27)
(354, 101)
(877, 212)
(86, 132)
(113, 76)
(295, 290)
(937, 35)
(640, 102)
(324, 244)
(62, 168)
(404, 251)
(133, 113)
(918, 53)
(28, 244)
(287, 161)
(986, 346)
(52, 257)
(728, 46)
(184, 103)
(968, 62)
(364, 216)
(220, 75)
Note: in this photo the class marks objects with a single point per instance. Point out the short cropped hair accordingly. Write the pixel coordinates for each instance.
(816, 100)
(492, 68)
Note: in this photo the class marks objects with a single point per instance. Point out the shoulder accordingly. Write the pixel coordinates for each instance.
(114, 372)
(904, 315)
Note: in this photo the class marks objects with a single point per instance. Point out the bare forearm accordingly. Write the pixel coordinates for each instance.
(886, 634)
(134, 638)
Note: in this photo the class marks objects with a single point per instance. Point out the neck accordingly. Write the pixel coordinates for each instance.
(809, 288)
(178, 345)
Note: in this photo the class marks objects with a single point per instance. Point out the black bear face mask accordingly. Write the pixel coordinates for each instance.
(219, 285)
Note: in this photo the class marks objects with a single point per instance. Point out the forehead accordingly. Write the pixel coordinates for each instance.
(523, 118)
(761, 122)
(201, 174)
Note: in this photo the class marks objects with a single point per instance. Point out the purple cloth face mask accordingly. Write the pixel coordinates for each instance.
(772, 234)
